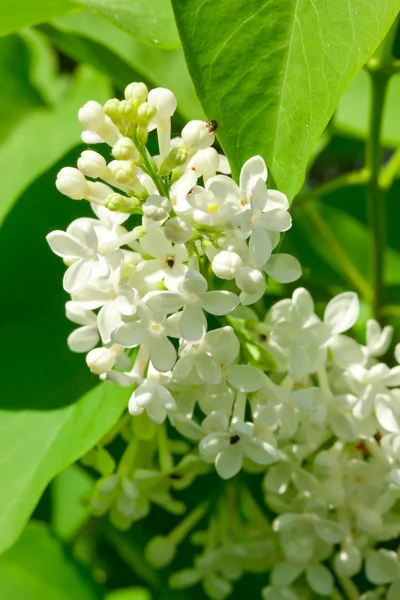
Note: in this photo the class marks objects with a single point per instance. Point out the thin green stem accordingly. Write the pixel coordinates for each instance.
(375, 195)
(380, 75)
(352, 273)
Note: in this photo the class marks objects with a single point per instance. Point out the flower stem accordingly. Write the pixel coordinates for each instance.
(379, 73)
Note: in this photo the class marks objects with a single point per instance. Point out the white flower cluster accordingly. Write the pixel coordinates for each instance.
(156, 283)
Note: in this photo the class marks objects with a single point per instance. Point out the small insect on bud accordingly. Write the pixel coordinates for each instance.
(212, 126)
(197, 135)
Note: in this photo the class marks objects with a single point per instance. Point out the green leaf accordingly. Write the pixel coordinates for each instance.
(150, 22)
(272, 72)
(59, 130)
(49, 415)
(17, 94)
(126, 56)
(16, 15)
(129, 594)
(352, 113)
(38, 567)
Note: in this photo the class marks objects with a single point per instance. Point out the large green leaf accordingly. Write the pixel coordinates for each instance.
(272, 72)
(38, 567)
(49, 415)
(151, 22)
(124, 56)
(58, 130)
(16, 15)
(18, 96)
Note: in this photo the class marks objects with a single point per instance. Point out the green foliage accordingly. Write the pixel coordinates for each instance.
(271, 72)
(150, 22)
(38, 567)
(16, 15)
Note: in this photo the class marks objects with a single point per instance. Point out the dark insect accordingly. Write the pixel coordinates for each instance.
(212, 126)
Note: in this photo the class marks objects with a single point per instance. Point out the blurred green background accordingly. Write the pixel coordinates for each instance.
(47, 72)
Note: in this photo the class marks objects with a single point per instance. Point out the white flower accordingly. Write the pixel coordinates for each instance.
(209, 209)
(216, 349)
(153, 396)
(151, 330)
(86, 337)
(299, 333)
(115, 300)
(79, 246)
(155, 211)
(72, 183)
(168, 262)
(228, 444)
(193, 296)
(102, 360)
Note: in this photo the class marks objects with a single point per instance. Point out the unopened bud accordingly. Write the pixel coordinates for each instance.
(348, 562)
(119, 203)
(156, 207)
(197, 135)
(145, 113)
(92, 164)
(136, 91)
(124, 171)
(72, 183)
(101, 360)
(111, 108)
(91, 115)
(127, 110)
(176, 158)
(163, 101)
(160, 551)
(227, 265)
(125, 149)
(178, 231)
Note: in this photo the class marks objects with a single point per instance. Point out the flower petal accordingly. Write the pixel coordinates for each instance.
(219, 302)
(83, 339)
(260, 246)
(130, 335)
(162, 353)
(229, 461)
(283, 268)
(64, 245)
(109, 318)
(245, 378)
(342, 312)
(193, 323)
(164, 303)
(208, 370)
(252, 170)
(77, 276)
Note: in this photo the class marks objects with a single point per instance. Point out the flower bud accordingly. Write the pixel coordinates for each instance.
(176, 158)
(124, 171)
(368, 520)
(125, 149)
(127, 110)
(119, 203)
(111, 108)
(206, 162)
(348, 561)
(163, 101)
(160, 551)
(197, 135)
(227, 265)
(249, 280)
(145, 113)
(136, 91)
(72, 183)
(178, 231)
(91, 115)
(100, 360)
(92, 164)
(156, 208)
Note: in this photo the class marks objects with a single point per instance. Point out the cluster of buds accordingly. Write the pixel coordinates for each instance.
(162, 279)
